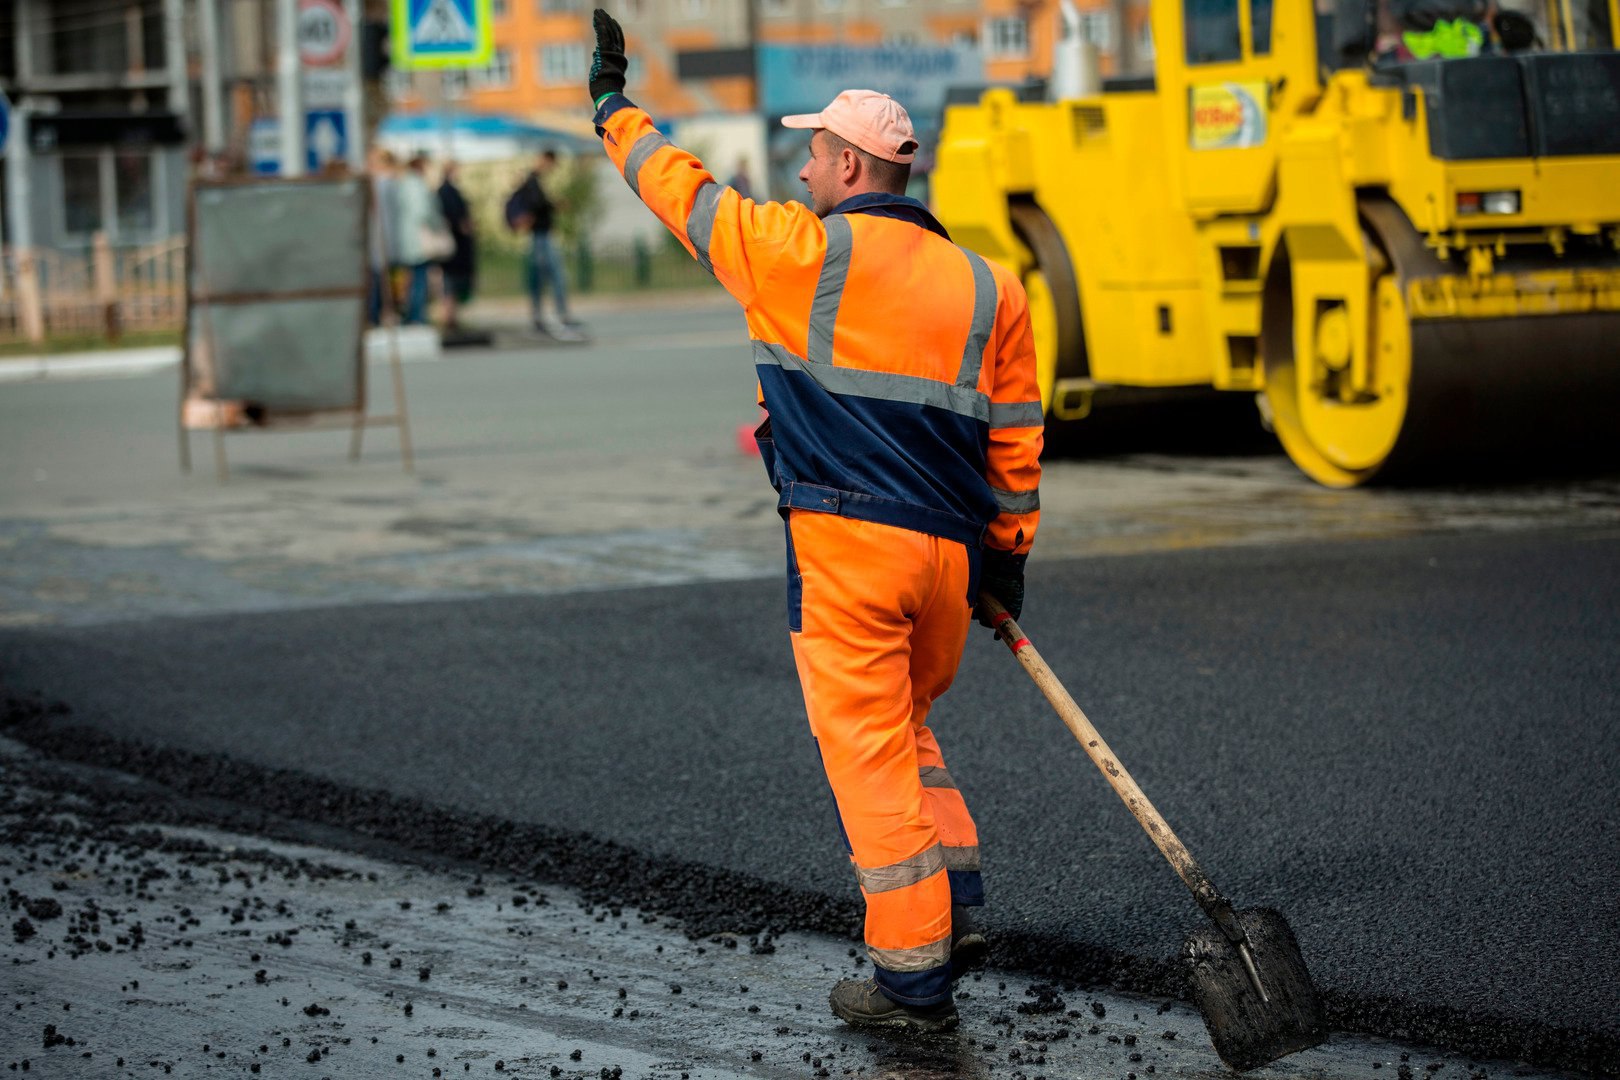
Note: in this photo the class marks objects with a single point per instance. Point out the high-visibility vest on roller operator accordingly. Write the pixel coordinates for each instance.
(897, 368)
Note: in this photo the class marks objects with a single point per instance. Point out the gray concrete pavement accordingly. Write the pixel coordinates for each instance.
(550, 469)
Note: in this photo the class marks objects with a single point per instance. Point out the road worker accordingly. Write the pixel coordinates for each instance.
(903, 434)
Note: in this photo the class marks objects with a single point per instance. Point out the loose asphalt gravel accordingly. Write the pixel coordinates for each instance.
(1406, 746)
(152, 935)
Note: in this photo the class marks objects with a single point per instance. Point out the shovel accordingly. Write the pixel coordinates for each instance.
(1247, 975)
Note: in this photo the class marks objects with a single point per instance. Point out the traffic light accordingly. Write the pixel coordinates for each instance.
(374, 48)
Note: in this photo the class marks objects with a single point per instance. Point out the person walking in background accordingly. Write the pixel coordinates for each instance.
(461, 268)
(383, 255)
(739, 180)
(903, 439)
(532, 208)
(420, 236)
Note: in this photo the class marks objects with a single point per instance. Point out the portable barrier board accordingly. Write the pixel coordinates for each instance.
(277, 283)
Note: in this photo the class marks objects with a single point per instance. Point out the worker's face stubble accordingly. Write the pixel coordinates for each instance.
(821, 175)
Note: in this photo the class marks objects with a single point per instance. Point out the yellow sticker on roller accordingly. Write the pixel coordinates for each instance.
(1227, 116)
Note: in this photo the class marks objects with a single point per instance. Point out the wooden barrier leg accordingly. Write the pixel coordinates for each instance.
(220, 467)
(185, 435)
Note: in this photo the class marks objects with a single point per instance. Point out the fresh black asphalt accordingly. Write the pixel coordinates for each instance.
(1407, 746)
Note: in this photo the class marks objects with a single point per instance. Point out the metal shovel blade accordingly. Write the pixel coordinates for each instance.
(1248, 1030)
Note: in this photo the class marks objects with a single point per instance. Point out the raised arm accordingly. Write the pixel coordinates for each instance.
(735, 239)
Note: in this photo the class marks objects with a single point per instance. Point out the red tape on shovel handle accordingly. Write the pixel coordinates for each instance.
(1005, 626)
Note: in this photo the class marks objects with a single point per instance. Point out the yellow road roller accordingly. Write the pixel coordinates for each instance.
(1411, 257)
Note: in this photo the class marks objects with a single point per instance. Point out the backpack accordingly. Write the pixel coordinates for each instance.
(518, 214)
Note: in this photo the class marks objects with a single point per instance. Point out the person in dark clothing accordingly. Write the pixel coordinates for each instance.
(461, 268)
(538, 213)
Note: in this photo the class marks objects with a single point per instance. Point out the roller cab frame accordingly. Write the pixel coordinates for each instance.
(1414, 265)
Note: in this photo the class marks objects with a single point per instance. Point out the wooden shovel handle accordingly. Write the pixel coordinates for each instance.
(1158, 830)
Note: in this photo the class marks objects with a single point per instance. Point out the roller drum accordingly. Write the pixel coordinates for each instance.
(1510, 395)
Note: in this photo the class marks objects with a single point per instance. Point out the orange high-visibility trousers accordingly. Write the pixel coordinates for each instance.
(882, 616)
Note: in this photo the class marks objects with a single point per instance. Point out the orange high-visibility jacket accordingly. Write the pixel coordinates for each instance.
(898, 369)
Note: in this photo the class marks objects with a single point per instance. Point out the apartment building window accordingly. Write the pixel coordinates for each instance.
(497, 8)
(964, 39)
(112, 191)
(494, 76)
(81, 194)
(1097, 27)
(1006, 38)
(396, 84)
(455, 83)
(562, 64)
(134, 193)
(561, 7)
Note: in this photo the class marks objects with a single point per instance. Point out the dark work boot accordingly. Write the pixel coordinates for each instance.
(863, 1003)
(969, 949)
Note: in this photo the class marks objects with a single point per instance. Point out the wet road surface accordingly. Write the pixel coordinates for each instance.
(142, 944)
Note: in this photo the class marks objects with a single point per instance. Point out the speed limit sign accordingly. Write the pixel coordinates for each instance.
(323, 32)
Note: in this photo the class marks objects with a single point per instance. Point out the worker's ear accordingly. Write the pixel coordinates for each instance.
(849, 164)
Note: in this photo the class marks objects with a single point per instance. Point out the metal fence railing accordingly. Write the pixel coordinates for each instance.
(598, 266)
(98, 291)
(103, 292)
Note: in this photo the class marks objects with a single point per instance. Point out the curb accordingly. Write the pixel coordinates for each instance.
(90, 365)
(416, 344)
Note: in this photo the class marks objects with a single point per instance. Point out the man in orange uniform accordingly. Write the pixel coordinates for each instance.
(904, 436)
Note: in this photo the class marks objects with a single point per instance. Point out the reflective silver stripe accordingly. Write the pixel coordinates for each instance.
(984, 320)
(882, 385)
(700, 222)
(920, 958)
(919, 867)
(1018, 502)
(1010, 414)
(962, 858)
(935, 776)
(830, 289)
(645, 147)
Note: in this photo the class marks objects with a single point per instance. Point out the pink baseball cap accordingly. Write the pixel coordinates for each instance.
(872, 121)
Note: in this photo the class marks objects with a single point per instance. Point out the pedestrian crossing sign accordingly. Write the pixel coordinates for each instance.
(440, 34)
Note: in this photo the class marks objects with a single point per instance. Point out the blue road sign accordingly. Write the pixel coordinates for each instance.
(264, 146)
(441, 34)
(326, 137)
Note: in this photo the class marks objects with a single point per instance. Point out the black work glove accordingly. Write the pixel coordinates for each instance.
(1001, 574)
(609, 63)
